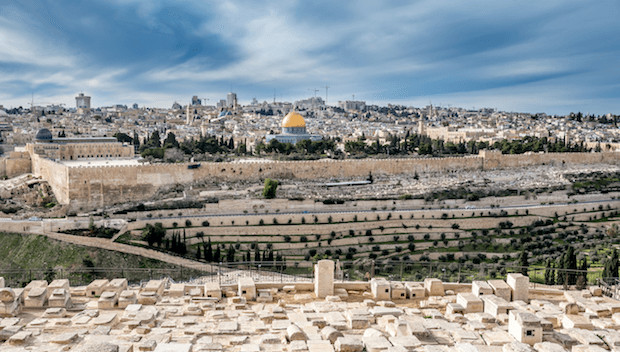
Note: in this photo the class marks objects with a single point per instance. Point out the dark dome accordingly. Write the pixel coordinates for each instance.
(44, 135)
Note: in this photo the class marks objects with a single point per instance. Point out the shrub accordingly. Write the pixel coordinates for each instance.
(205, 223)
(188, 223)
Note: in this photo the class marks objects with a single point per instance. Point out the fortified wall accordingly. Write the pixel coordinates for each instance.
(105, 185)
(17, 163)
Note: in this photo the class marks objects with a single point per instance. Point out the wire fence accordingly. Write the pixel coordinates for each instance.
(302, 271)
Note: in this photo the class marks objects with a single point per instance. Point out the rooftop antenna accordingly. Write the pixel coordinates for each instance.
(274, 95)
(326, 88)
(353, 97)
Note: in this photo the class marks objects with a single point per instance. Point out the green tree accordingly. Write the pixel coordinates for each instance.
(524, 262)
(610, 268)
(570, 262)
(208, 251)
(154, 233)
(269, 191)
(549, 277)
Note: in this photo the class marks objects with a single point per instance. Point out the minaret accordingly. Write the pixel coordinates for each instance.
(421, 126)
(188, 116)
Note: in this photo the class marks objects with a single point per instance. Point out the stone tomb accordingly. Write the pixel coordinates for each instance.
(433, 287)
(470, 302)
(414, 290)
(480, 288)
(35, 294)
(495, 305)
(519, 285)
(95, 288)
(10, 302)
(380, 289)
(398, 291)
(525, 327)
(247, 288)
(501, 289)
(324, 278)
(213, 290)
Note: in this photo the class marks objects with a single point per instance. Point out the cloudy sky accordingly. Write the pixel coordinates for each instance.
(553, 56)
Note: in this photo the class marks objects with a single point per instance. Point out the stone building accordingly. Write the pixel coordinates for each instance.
(78, 148)
(293, 130)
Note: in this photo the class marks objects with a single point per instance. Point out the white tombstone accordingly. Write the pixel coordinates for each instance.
(10, 302)
(519, 285)
(247, 288)
(127, 298)
(324, 278)
(398, 291)
(501, 289)
(525, 327)
(414, 290)
(495, 305)
(33, 284)
(116, 285)
(95, 288)
(380, 289)
(36, 298)
(59, 297)
(213, 290)
(433, 287)
(480, 288)
(108, 300)
(470, 302)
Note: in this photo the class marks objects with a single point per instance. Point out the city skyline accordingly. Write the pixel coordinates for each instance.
(555, 57)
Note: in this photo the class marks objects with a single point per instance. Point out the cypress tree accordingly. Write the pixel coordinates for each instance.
(216, 257)
(208, 251)
(256, 254)
(523, 262)
(549, 277)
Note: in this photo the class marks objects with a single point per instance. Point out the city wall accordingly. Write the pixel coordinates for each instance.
(89, 186)
(17, 163)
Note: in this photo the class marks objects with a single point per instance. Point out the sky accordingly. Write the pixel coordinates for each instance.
(552, 56)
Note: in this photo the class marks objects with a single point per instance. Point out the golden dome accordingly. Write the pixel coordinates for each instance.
(293, 119)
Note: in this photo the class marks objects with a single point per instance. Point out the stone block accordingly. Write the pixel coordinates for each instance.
(348, 344)
(525, 327)
(409, 343)
(520, 286)
(294, 333)
(10, 302)
(495, 305)
(380, 289)
(330, 333)
(570, 321)
(454, 308)
(213, 290)
(20, 338)
(37, 297)
(60, 297)
(126, 298)
(376, 343)
(116, 285)
(501, 289)
(496, 337)
(60, 283)
(414, 290)
(108, 300)
(324, 278)
(398, 291)
(319, 346)
(95, 288)
(65, 338)
(433, 287)
(176, 290)
(480, 288)
(470, 302)
(148, 297)
(549, 347)
(156, 286)
(247, 288)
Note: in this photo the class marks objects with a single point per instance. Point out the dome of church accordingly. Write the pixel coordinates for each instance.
(293, 119)
(44, 135)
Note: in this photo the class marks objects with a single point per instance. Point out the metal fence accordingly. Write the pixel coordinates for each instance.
(302, 271)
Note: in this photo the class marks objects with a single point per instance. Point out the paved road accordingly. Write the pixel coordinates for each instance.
(105, 243)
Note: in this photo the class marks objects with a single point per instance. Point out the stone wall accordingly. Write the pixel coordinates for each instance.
(104, 185)
(17, 163)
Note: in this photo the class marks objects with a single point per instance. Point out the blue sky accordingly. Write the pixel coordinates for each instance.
(553, 56)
